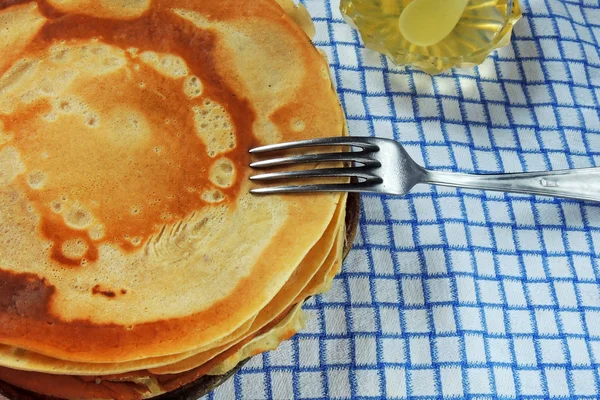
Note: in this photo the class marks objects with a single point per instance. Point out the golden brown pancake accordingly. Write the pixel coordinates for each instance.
(320, 257)
(124, 130)
(264, 318)
(322, 280)
(25, 360)
(126, 384)
(127, 227)
(270, 340)
(144, 384)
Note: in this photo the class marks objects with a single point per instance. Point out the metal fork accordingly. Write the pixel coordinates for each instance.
(384, 166)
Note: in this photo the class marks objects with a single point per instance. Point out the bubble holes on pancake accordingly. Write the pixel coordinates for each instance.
(57, 131)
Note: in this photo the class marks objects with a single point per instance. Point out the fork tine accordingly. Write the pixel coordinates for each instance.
(315, 158)
(349, 187)
(363, 143)
(356, 172)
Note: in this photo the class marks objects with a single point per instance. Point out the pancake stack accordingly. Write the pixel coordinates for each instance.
(133, 260)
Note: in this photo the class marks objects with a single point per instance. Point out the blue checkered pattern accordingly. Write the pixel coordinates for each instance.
(456, 293)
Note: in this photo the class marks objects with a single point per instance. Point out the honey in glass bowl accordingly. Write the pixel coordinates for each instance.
(433, 35)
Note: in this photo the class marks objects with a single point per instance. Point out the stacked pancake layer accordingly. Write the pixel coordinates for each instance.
(132, 258)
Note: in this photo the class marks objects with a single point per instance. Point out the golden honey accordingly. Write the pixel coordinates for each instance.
(433, 35)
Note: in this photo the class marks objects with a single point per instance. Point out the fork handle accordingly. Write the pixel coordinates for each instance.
(578, 184)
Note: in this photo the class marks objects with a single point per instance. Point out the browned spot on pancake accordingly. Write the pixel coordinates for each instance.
(161, 186)
(123, 291)
(58, 232)
(25, 295)
(104, 292)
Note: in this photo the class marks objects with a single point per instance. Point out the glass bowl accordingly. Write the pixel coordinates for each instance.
(484, 26)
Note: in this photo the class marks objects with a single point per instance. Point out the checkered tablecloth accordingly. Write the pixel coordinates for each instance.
(456, 293)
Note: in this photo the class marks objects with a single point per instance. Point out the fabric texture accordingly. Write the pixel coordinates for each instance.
(456, 293)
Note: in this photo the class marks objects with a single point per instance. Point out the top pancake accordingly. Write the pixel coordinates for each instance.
(127, 230)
